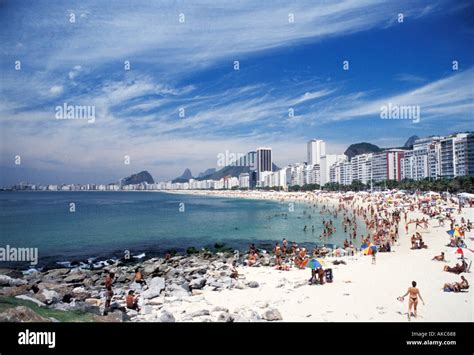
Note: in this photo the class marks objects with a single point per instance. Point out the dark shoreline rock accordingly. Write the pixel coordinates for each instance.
(179, 278)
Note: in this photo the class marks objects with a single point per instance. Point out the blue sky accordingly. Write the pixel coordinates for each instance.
(190, 65)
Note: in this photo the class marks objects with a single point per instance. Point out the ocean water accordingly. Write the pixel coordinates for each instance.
(105, 224)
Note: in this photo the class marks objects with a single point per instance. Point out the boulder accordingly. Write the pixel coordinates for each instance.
(246, 315)
(48, 296)
(85, 307)
(272, 315)
(14, 290)
(240, 286)
(21, 314)
(93, 301)
(253, 284)
(200, 313)
(117, 316)
(9, 281)
(31, 299)
(177, 291)
(155, 286)
(56, 274)
(220, 309)
(225, 317)
(75, 277)
(197, 283)
(166, 317)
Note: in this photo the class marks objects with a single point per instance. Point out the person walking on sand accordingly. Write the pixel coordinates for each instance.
(413, 294)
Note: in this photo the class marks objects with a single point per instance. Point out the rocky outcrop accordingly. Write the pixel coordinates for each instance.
(21, 314)
(177, 283)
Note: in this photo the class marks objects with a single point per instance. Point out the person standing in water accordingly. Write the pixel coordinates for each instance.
(413, 293)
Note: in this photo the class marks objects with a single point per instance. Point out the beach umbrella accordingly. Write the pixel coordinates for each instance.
(463, 251)
(313, 263)
(370, 250)
(450, 232)
(364, 246)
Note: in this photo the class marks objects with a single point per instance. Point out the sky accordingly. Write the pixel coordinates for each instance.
(181, 103)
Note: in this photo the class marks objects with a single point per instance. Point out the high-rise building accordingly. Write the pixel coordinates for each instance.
(447, 157)
(386, 165)
(298, 174)
(316, 150)
(326, 162)
(457, 155)
(313, 174)
(244, 180)
(362, 167)
(264, 162)
(341, 173)
(423, 161)
(464, 154)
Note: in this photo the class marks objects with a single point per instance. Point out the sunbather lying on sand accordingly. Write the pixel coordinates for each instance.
(459, 268)
(439, 257)
(456, 286)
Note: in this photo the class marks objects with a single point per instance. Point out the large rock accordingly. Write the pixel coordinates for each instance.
(31, 299)
(155, 286)
(117, 316)
(86, 307)
(21, 314)
(246, 315)
(177, 291)
(55, 275)
(200, 313)
(75, 277)
(48, 296)
(253, 284)
(14, 290)
(272, 315)
(9, 281)
(150, 269)
(225, 317)
(197, 283)
(166, 317)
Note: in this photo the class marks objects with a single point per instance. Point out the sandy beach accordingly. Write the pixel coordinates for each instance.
(360, 291)
(199, 288)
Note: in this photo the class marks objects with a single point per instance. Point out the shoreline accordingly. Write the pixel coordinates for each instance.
(199, 287)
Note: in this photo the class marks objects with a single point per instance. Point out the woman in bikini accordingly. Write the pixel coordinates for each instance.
(413, 293)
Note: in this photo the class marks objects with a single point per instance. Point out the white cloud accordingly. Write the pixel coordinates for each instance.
(449, 96)
(56, 89)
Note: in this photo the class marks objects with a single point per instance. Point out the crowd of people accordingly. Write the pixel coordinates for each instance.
(381, 219)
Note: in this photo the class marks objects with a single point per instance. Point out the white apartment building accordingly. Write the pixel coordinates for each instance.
(316, 149)
(341, 173)
(313, 174)
(298, 174)
(362, 167)
(326, 163)
(244, 180)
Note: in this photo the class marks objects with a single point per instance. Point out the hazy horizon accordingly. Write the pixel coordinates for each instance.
(175, 84)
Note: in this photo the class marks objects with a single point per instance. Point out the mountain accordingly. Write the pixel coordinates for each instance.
(184, 177)
(143, 176)
(207, 172)
(361, 148)
(410, 141)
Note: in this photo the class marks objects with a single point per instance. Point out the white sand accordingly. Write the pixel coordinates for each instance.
(360, 291)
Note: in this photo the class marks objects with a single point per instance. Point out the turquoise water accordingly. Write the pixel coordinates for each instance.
(107, 223)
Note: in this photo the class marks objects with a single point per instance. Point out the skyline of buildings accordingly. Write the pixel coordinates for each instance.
(430, 157)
